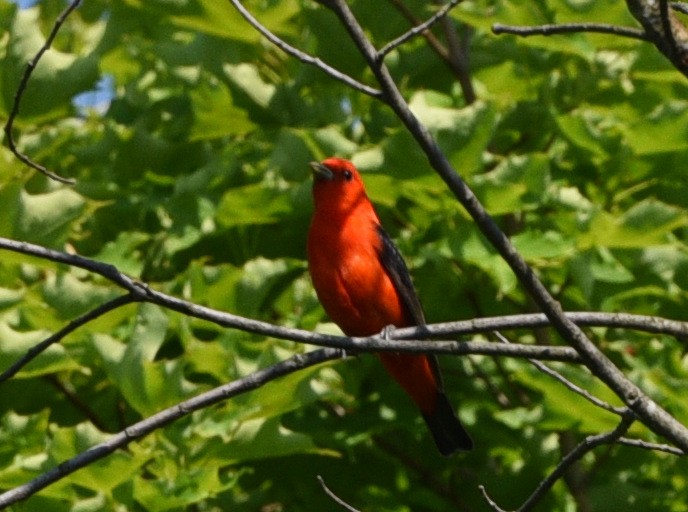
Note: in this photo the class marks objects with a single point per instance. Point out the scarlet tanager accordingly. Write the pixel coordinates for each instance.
(364, 286)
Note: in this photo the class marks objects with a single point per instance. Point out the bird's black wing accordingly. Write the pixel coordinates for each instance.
(398, 272)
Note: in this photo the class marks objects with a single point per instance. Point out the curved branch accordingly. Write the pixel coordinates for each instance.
(403, 339)
(334, 497)
(663, 29)
(422, 27)
(456, 62)
(588, 444)
(302, 56)
(167, 416)
(20, 93)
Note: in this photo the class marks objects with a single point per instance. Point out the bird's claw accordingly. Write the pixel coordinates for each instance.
(387, 331)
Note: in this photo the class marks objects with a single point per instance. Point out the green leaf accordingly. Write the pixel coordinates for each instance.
(252, 204)
(215, 115)
(534, 245)
(649, 222)
(47, 218)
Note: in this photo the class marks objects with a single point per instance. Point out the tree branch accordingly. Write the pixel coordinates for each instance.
(568, 384)
(457, 66)
(663, 29)
(402, 340)
(303, 56)
(585, 446)
(37, 349)
(418, 29)
(568, 28)
(20, 93)
(639, 443)
(588, 444)
(167, 416)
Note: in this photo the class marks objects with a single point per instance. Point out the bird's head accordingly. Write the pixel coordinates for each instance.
(337, 184)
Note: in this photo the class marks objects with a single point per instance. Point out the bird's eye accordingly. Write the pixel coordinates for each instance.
(348, 175)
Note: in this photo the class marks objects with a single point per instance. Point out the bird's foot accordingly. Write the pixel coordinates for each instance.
(387, 331)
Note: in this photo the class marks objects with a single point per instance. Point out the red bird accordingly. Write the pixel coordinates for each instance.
(364, 286)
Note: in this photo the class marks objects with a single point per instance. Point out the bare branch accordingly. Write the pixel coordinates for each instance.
(491, 503)
(302, 56)
(20, 93)
(410, 34)
(334, 497)
(457, 66)
(59, 335)
(650, 324)
(588, 444)
(570, 385)
(167, 416)
(652, 414)
(568, 28)
(665, 16)
(639, 443)
(403, 340)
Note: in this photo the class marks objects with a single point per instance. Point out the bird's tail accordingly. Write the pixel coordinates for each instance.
(420, 377)
(447, 431)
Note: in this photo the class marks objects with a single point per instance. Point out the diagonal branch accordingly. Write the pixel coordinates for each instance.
(20, 93)
(568, 384)
(585, 446)
(59, 335)
(303, 56)
(167, 416)
(455, 62)
(418, 29)
(652, 414)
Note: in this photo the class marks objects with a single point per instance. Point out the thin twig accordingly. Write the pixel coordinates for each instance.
(37, 349)
(639, 443)
(459, 55)
(568, 384)
(568, 28)
(302, 56)
(167, 416)
(76, 401)
(410, 34)
(20, 93)
(585, 446)
(490, 502)
(334, 497)
(457, 67)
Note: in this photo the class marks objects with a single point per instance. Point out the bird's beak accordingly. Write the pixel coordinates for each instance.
(321, 172)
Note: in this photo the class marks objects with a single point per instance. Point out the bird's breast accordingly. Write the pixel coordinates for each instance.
(350, 279)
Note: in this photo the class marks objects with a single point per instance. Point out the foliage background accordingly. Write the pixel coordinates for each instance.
(192, 176)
